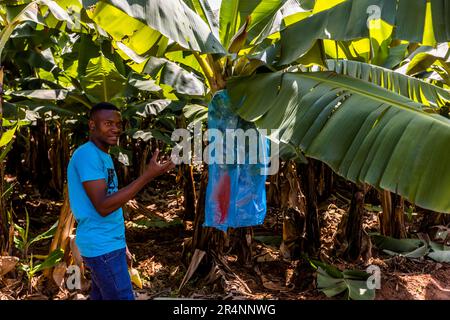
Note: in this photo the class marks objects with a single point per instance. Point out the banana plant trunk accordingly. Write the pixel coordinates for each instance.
(312, 212)
(392, 218)
(189, 192)
(293, 205)
(325, 183)
(187, 174)
(61, 239)
(350, 234)
(40, 162)
(241, 244)
(205, 238)
(354, 226)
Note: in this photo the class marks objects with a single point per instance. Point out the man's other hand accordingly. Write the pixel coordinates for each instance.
(129, 257)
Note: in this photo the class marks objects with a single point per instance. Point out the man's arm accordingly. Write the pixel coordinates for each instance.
(106, 204)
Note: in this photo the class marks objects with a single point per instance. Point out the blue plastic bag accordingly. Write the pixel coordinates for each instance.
(236, 193)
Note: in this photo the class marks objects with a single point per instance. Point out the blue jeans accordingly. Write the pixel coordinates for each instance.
(110, 279)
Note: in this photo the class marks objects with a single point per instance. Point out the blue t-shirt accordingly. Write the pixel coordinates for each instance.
(96, 235)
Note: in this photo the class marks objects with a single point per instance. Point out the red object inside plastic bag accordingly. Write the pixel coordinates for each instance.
(222, 196)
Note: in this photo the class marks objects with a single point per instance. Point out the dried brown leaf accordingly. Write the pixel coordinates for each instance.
(7, 263)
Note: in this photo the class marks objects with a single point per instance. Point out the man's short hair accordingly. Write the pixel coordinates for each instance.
(102, 106)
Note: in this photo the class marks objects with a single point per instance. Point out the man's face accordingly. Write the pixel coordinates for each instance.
(106, 126)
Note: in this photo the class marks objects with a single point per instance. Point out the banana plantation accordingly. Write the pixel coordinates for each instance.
(354, 95)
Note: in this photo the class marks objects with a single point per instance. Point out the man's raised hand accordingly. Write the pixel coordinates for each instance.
(155, 168)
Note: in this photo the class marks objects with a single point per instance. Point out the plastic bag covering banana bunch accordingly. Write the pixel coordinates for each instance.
(236, 194)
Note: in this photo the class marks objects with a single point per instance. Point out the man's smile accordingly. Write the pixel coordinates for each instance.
(114, 138)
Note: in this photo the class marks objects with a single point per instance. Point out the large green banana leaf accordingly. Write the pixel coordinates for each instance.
(171, 74)
(25, 109)
(433, 63)
(102, 81)
(363, 132)
(291, 11)
(208, 10)
(409, 64)
(173, 19)
(30, 13)
(413, 88)
(422, 21)
(133, 33)
(233, 14)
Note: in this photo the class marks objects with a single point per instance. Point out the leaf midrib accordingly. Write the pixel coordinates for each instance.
(392, 72)
(367, 93)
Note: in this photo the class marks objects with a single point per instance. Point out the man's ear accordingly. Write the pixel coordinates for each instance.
(91, 125)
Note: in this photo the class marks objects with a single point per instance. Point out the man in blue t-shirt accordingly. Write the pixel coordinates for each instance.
(96, 203)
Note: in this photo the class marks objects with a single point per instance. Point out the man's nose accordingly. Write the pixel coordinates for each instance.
(117, 128)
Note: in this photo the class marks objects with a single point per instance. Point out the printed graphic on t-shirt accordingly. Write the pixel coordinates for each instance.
(111, 182)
